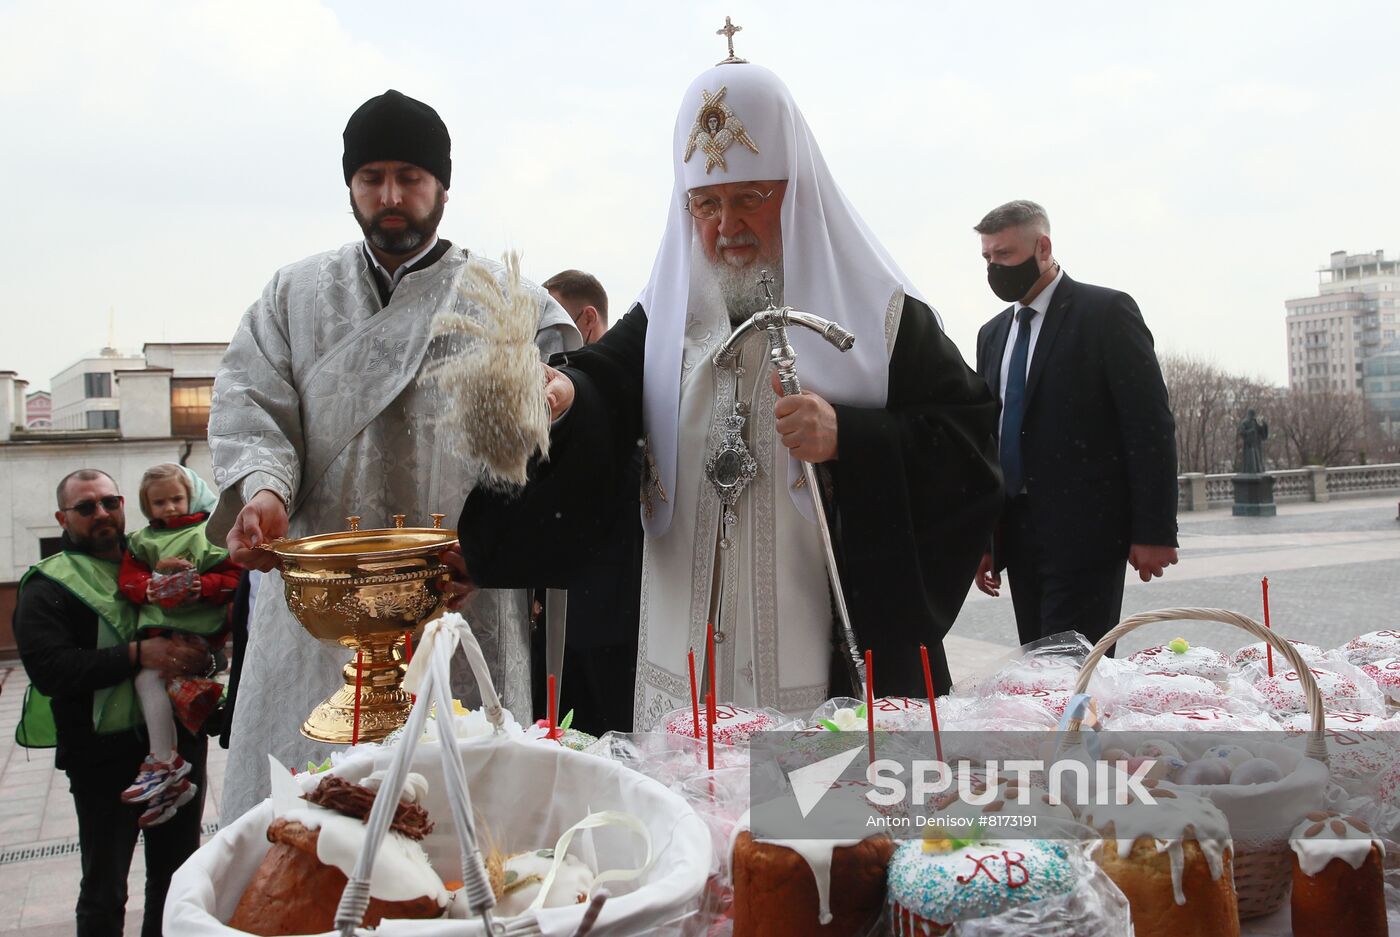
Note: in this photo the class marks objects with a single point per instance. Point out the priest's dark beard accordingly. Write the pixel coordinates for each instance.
(738, 286)
(414, 234)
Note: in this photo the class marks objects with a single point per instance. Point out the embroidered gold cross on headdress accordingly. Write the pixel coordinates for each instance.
(716, 129)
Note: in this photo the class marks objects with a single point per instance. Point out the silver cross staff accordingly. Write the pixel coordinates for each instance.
(774, 321)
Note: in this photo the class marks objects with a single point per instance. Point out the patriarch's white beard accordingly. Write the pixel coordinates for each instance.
(738, 284)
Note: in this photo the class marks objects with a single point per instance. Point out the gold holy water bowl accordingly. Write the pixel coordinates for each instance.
(366, 589)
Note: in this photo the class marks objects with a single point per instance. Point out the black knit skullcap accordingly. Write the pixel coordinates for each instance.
(394, 126)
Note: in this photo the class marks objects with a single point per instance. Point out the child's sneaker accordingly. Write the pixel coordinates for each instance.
(153, 777)
(167, 804)
(179, 767)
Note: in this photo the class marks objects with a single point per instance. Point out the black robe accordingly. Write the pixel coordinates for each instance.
(916, 490)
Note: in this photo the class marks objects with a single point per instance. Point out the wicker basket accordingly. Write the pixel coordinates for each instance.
(1263, 869)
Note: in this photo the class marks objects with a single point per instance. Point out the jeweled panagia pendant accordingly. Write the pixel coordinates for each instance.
(731, 466)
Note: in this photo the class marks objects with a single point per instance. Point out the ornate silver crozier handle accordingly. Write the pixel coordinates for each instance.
(773, 323)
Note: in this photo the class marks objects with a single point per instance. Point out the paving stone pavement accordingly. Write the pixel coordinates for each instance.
(1334, 571)
(39, 866)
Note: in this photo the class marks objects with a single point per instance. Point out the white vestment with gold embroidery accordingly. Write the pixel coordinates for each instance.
(776, 617)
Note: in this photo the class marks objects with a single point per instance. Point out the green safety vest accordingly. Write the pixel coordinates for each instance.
(153, 544)
(94, 583)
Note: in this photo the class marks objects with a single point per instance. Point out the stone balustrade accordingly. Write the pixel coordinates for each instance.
(1199, 492)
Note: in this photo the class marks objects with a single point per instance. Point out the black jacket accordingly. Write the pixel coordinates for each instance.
(1098, 440)
(916, 492)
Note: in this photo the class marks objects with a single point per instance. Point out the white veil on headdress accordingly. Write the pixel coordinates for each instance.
(833, 266)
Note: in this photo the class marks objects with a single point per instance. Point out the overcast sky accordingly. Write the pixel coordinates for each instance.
(163, 159)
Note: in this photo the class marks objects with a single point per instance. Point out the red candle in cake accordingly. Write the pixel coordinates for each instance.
(932, 702)
(355, 719)
(1268, 648)
(710, 728)
(553, 709)
(870, 700)
(694, 698)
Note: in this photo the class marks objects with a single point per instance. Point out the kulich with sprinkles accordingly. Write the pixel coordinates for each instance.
(1180, 656)
(1259, 652)
(1386, 673)
(1165, 692)
(1284, 690)
(1372, 646)
(734, 725)
(935, 883)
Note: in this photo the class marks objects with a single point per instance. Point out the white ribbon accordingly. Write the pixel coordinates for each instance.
(592, 821)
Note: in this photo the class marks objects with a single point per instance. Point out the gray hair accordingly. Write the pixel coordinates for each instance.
(1014, 215)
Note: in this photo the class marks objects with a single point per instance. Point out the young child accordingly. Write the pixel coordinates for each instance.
(183, 584)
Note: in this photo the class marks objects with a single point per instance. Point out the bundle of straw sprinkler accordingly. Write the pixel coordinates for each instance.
(494, 408)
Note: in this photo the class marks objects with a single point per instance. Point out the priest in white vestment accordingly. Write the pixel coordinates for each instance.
(900, 426)
(318, 413)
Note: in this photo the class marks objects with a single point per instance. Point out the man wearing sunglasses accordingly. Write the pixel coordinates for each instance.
(78, 642)
(900, 426)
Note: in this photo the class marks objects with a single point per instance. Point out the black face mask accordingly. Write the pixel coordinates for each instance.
(1011, 283)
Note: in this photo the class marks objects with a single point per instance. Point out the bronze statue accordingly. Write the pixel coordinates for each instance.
(1254, 431)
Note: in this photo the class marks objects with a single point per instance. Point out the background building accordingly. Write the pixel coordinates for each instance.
(1382, 376)
(1351, 318)
(38, 410)
(124, 413)
(85, 392)
(192, 367)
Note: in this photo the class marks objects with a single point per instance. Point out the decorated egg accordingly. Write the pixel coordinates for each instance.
(1159, 769)
(1256, 771)
(1178, 656)
(1157, 748)
(1204, 771)
(1166, 767)
(1234, 754)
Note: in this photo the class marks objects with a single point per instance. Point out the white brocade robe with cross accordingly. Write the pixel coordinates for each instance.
(776, 615)
(319, 394)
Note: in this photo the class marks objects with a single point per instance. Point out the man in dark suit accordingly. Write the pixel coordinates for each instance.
(1087, 442)
(604, 591)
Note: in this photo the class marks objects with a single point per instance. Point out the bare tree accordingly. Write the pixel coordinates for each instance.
(1322, 427)
(1381, 442)
(1207, 403)
(1198, 394)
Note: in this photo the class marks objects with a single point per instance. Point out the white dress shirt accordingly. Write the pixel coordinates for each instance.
(1040, 304)
(402, 268)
